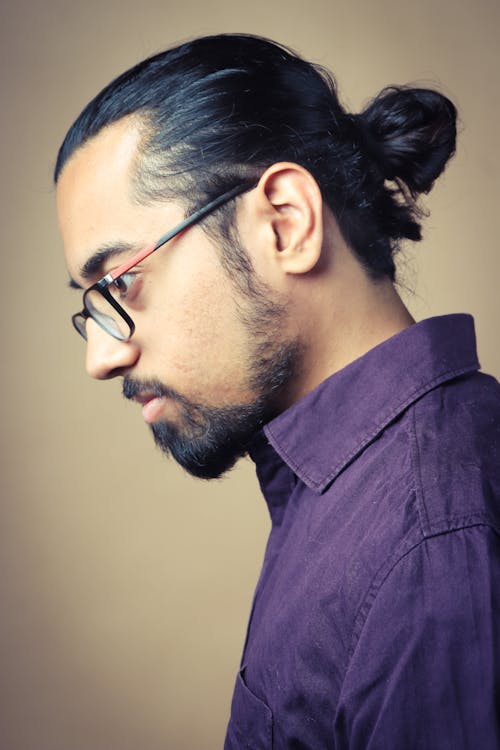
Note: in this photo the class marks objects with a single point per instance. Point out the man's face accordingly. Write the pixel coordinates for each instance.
(208, 364)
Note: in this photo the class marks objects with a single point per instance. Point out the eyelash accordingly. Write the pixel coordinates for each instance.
(127, 280)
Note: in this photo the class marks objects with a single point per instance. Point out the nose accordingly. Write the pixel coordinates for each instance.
(106, 356)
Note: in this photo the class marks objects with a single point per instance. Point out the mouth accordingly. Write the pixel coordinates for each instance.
(152, 406)
(155, 398)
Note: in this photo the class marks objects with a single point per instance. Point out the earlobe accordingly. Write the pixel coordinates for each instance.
(295, 211)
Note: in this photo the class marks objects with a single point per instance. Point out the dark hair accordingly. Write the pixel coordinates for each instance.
(218, 110)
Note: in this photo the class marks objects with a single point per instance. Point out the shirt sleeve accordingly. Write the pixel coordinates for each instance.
(424, 673)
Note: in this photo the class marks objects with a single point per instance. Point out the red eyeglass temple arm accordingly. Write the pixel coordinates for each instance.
(189, 221)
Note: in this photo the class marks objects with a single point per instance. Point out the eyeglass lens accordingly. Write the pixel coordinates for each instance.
(103, 312)
(80, 323)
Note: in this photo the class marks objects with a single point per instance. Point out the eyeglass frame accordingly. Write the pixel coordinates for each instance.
(102, 285)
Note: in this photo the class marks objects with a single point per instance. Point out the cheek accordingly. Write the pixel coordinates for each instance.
(196, 336)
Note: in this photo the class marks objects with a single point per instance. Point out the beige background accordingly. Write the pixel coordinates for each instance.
(124, 585)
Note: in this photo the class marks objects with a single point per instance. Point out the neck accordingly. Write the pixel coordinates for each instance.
(346, 314)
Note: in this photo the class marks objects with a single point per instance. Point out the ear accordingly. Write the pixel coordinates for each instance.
(289, 198)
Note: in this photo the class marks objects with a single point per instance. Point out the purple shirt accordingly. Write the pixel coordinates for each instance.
(376, 619)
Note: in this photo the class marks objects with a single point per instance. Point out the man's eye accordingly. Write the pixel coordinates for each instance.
(122, 286)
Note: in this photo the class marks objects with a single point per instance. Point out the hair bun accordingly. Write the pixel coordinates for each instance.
(411, 133)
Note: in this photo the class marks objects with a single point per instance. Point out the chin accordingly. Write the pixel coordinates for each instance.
(199, 456)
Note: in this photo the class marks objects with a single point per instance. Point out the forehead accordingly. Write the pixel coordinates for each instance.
(94, 190)
(100, 166)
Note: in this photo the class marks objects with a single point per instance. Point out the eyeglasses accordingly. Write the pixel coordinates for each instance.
(100, 300)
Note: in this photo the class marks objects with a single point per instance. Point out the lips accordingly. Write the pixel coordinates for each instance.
(151, 406)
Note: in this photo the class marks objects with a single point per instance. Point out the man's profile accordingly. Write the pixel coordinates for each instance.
(234, 231)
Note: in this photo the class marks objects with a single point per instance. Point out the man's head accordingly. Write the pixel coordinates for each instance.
(207, 360)
(225, 336)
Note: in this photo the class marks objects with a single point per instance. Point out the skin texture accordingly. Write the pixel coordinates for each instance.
(210, 363)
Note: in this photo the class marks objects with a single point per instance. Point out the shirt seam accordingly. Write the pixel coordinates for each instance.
(386, 569)
(418, 484)
(431, 528)
(427, 530)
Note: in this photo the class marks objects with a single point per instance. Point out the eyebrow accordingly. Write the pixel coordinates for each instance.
(93, 266)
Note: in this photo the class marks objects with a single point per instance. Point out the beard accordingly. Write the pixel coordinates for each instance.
(207, 440)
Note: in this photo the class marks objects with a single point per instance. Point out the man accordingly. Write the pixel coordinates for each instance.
(266, 321)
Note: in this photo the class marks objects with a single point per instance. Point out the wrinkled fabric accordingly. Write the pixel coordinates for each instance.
(376, 619)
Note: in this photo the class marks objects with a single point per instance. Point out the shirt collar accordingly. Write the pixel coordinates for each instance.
(320, 434)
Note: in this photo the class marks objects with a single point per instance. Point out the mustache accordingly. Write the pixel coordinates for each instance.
(193, 415)
(132, 388)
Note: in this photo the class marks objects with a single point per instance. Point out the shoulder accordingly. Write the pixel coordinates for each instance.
(434, 468)
(434, 471)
